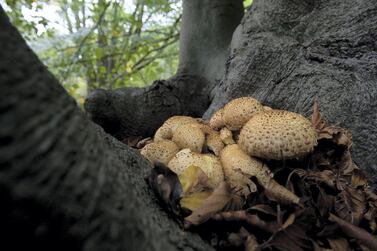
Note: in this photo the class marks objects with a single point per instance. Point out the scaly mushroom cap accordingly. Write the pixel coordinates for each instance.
(189, 136)
(161, 151)
(216, 121)
(226, 136)
(209, 164)
(238, 111)
(170, 125)
(235, 162)
(278, 135)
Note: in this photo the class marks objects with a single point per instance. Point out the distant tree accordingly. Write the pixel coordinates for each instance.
(107, 44)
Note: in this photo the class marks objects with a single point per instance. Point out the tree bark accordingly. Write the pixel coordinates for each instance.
(64, 183)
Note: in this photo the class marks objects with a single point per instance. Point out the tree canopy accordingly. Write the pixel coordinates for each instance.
(102, 44)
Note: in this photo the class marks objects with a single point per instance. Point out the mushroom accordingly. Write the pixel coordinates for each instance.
(278, 135)
(267, 108)
(226, 136)
(238, 111)
(213, 140)
(216, 121)
(239, 167)
(189, 136)
(231, 162)
(170, 125)
(161, 151)
(209, 164)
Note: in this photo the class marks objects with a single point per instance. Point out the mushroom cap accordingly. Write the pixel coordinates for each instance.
(189, 136)
(238, 111)
(209, 164)
(236, 163)
(170, 125)
(161, 151)
(278, 135)
(216, 121)
(226, 136)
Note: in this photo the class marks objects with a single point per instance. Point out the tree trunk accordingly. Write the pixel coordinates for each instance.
(64, 183)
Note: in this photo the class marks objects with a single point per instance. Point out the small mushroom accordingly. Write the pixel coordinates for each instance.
(161, 151)
(209, 164)
(239, 167)
(213, 141)
(189, 136)
(216, 121)
(170, 125)
(278, 135)
(226, 136)
(231, 161)
(238, 111)
(267, 108)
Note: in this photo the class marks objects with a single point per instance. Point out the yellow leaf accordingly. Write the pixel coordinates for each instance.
(195, 200)
(192, 177)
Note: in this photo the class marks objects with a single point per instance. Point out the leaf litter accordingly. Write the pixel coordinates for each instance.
(337, 209)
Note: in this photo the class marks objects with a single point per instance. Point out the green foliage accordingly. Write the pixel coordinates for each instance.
(102, 43)
(247, 3)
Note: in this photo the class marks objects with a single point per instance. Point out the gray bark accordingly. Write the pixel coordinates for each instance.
(287, 53)
(64, 183)
(206, 32)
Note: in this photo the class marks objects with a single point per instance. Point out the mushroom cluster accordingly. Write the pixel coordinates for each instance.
(233, 145)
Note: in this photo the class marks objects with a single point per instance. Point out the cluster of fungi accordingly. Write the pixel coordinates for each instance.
(240, 169)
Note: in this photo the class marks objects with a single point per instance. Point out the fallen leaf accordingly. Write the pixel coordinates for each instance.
(242, 216)
(193, 180)
(213, 204)
(144, 142)
(166, 185)
(294, 236)
(317, 121)
(193, 201)
(339, 244)
(364, 238)
(132, 140)
(350, 205)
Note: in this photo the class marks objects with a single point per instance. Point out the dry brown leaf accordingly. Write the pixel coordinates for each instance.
(364, 238)
(277, 192)
(266, 209)
(350, 205)
(166, 185)
(294, 236)
(212, 205)
(317, 121)
(144, 142)
(132, 141)
(339, 244)
(250, 219)
(251, 243)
